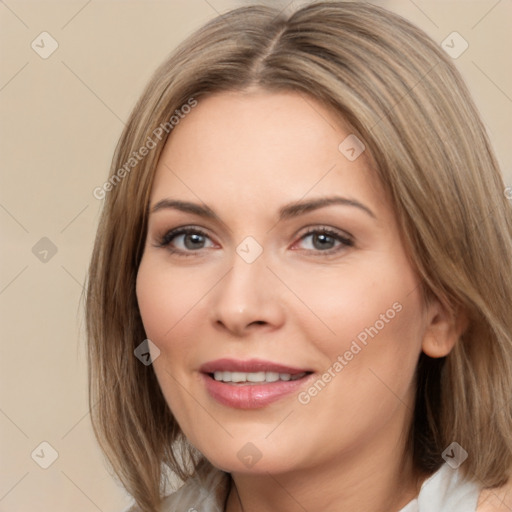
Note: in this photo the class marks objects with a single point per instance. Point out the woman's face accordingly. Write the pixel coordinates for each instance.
(285, 263)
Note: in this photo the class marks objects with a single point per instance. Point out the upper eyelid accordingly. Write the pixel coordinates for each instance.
(309, 230)
(183, 230)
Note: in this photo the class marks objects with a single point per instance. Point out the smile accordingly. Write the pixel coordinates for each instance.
(251, 384)
(254, 377)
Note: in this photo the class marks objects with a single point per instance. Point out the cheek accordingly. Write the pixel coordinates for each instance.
(166, 302)
(348, 299)
(173, 306)
(369, 364)
(166, 297)
(371, 317)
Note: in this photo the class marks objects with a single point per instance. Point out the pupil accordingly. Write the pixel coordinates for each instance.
(325, 241)
(194, 240)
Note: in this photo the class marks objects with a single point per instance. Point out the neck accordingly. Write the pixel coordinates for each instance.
(370, 478)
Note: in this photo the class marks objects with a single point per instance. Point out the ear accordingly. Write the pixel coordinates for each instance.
(444, 326)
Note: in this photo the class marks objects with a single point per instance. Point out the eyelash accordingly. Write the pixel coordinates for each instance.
(167, 238)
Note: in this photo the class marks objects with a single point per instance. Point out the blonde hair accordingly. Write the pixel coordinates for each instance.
(404, 98)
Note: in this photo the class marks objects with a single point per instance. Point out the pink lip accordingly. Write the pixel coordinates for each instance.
(249, 396)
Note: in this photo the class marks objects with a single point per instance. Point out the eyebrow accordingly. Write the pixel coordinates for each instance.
(286, 212)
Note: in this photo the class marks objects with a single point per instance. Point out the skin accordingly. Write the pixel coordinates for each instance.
(245, 155)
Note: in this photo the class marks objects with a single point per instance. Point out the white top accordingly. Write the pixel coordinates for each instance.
(444, 491)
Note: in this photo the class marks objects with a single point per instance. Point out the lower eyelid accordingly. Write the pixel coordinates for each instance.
(345, 241)
(170, 237)
(325, 252)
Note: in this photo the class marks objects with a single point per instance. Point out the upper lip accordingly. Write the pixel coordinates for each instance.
(249, 366)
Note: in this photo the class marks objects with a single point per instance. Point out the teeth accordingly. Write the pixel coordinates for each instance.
(272, 376)
(254, 377)
(237, 376)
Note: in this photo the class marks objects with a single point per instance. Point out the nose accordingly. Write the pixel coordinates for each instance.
(248, 298)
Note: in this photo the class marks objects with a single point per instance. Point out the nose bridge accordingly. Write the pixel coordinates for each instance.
(242, 286)
(245, 295)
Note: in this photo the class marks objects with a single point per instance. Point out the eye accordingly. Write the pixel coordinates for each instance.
(185, 240)
(325, 240)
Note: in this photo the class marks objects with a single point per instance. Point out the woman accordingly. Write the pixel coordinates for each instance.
(304, 238)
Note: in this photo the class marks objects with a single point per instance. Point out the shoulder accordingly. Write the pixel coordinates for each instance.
(498, 499)
(206, 490)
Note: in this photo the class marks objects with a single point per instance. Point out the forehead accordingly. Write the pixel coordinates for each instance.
(261, 147)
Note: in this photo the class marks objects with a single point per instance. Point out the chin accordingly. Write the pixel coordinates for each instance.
(249, 459)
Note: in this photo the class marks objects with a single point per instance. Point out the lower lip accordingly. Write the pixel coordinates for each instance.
(251, 396)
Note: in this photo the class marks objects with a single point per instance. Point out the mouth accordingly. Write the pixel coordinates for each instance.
(254, 378)
(251, 384)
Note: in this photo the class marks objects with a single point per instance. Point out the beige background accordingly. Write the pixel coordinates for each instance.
(60, 119)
